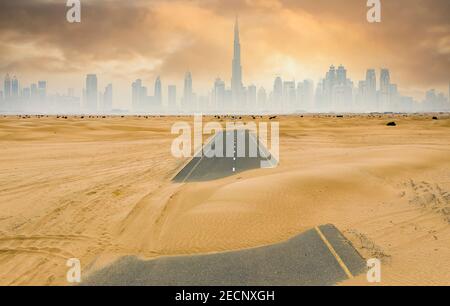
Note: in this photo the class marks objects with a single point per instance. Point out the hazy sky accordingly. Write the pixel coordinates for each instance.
(296, 39)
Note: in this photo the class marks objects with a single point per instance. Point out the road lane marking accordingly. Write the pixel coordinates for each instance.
(196, 165)
(335, 254)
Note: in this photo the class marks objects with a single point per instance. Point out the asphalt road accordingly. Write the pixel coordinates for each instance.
(239, 157)
(320, 256)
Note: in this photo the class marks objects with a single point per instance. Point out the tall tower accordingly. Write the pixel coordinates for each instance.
(15, 87)
(91, 93)
(107, 98)
(158, 92)
(187, 97)
(172, 97)
(236, 79)
(7, 87)
(369, 94)
(385, 83)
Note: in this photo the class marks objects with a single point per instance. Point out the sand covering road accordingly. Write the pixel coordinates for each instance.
(98, 189)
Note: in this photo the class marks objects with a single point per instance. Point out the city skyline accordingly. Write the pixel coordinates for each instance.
(301, 39)
(335, 92)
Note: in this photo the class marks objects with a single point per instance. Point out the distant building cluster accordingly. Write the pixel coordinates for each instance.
(335, 93)
(33, 98)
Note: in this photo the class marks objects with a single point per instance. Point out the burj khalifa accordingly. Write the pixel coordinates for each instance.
(236, 79)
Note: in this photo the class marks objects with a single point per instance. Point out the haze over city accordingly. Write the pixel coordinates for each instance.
(228, 148)
(170, 40)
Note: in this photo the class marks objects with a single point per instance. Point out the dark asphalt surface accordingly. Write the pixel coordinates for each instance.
(202, 168)
(301, 261)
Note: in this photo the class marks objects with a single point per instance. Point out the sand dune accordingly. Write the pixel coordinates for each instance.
(96, 189)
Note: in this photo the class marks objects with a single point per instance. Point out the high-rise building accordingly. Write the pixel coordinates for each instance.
(447, 107)
(172, 97)
(42, 91)
(136, 95)
(393, 98)
(251, 98)
(299, 94)
(219, 95)
(289, 96)
(262, 98)
(385, 82)
(236, 79)
(435, 102)
(305, 95)
(278, 93)
(91, 93)
(335, 93)
(341, 75)
(369, 98)
(14, 87)
(158, 92)
(108, 98)
(188, 94)
(329, 84)
(34, 92)
(26, 93)
(7, 87)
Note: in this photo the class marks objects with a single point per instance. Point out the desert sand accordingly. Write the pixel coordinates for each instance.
(100, 188)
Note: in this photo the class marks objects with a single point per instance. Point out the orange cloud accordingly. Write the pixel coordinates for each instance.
(124, 40)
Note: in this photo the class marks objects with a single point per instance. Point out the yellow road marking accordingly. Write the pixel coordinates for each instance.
(335, 254)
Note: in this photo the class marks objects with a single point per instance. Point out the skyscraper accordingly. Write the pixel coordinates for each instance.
(289, 96)
(172, 97)
(385, 82)
(369, 97)
(7, 87)
(341, 75)
(262, 98)
(91, 93)
(14, 87)
(26, 93)
(107, 98)
(251, 98)
(158, 92)
(219, 95)
(135, 95)
(42, 91)
(278, 93)
(305, 95)
(236, 79)
(34, 91)
(187, 97)
(328, 87)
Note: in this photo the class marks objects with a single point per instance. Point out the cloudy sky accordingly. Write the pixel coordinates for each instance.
(296, 39)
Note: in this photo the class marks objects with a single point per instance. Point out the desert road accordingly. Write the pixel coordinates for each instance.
(203, 168)
(320, 256)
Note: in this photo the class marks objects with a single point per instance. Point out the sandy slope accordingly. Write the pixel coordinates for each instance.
(96, 189)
